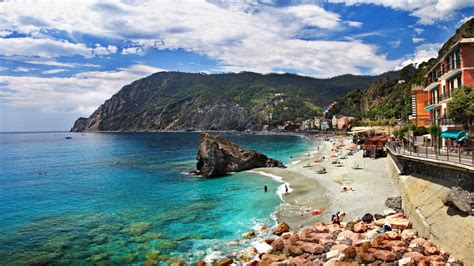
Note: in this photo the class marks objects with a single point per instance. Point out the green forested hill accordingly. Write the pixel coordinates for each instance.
(177, 101)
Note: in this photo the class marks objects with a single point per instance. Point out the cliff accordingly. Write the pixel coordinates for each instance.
(217, 157)
(195, 101)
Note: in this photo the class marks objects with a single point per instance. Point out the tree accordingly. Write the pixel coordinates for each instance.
(461, 107)
(434, 131)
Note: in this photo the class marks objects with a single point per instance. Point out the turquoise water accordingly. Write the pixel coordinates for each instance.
(125, 198)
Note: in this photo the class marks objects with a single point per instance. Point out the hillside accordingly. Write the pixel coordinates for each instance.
(386, 98)
(183, 101)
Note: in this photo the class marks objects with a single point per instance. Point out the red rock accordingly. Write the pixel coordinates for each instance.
(431, 251)
(408, 234)
(319, 236)
(226, 262)
(346, 234)
(399, 251)
(417, 242)
(320, 227)
(423, 263)
(263, 228)
(350, 252)
(434, 258)
(416, 256)
(268, 259)
(269, 241)
(437, 263)
(201, 263)
(281, 228)
(395, 243)
(297, 261)
(392, 236)
(249, 234)
(305, 233)
(334, 228)
(355, 237)
(312, 248)
(278, 244)
(360, 227)
(364, 257)
(327, 242)
(396, 223)
(385, 255)
(293, 250)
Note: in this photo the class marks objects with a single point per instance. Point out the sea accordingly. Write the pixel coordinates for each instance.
(128, 198)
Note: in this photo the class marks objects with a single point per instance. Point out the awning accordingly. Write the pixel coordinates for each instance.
(453, 134)
(429, 107)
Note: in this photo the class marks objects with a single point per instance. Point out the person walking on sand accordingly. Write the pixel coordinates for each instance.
(265, 188)
(286, 189)
(337, 217)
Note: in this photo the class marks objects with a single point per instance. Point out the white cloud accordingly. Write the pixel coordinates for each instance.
(422, 53)
(238, 35)
(419, 30)
(417, 40)
(54, 71)
(59, 64)
(23, 69)
(48, 48)
(4, 33)
(427, 11)
(395, 44)
(134, 50)
(355, 24)
(80, 93)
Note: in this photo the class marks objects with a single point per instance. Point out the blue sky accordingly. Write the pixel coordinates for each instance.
(60, 60)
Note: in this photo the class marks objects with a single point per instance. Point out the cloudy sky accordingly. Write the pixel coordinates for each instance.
(60, 60)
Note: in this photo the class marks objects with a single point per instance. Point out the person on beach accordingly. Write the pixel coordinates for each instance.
(337, 217)
(386, 227)
(265, 188)
(286, 189)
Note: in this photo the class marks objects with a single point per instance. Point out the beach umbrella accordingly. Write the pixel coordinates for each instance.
(317, 211)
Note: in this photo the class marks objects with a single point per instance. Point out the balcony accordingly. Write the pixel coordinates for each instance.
(446, 121)
(453, 68)
(445, 96)
(431, 84)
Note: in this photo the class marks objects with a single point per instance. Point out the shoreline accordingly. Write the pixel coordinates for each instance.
(310, 191)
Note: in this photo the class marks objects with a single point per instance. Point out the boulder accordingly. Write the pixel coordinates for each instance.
(319, 236)
(350, 252)
(360, 227)
(415, 256)
(392, 235)
(396, 222)
(431, 251)
(312, 248)
(268, 259)
(385, 255)
(226, 262)
(249, 234)
(201, 263)
(394, 203)
(278, 244)
(320, 227)
(418, 242)
(346, 234)
(333, 254)
(408, 234)
(281, 228)
(367, 218)
(217, 157)
(405, 262)
(461, 199)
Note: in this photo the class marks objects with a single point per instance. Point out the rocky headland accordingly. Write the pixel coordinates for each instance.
(218, 156)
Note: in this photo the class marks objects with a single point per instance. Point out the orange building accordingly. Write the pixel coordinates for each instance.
(420, 117)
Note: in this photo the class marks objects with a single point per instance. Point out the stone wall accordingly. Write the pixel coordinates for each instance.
(422, 200)
(444, 173)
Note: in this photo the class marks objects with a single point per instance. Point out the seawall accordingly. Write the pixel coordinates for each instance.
(423, 195)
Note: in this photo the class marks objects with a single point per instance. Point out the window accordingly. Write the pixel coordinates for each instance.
(459, 82)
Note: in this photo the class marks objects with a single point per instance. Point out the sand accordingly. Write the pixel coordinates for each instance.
(309, 190)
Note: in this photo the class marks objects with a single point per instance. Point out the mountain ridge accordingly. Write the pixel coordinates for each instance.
(228, 101)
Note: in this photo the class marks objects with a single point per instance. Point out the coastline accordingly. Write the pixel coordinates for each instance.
(309, 190)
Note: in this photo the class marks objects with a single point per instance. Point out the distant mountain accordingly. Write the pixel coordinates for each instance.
(388, 98)
(194, 101)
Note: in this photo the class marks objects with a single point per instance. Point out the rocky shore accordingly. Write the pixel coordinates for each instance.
(353, 243)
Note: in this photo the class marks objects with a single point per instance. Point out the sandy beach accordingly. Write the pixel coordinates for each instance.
(310, 190)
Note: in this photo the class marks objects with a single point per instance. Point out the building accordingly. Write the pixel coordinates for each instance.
(420, 117)
(334, 121)
(343, 122)
(317, 123)
(454, 69)
(325, 125)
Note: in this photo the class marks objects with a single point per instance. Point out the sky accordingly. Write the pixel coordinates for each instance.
(61, 59)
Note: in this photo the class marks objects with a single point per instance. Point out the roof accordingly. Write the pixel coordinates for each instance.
(463, 40)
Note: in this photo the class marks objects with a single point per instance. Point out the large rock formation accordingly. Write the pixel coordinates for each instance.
(217, 157)
(461, 199)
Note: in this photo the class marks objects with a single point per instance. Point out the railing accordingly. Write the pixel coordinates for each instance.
(446, 121)
(458, 155)
(454, 65)
(445, 96)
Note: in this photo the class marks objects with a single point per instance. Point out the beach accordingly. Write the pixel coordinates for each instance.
(309, 190)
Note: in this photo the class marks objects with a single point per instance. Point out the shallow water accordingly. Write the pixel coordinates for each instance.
(126, 198)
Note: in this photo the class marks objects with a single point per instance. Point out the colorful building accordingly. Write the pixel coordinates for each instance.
(420, 117)
(454, 69)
